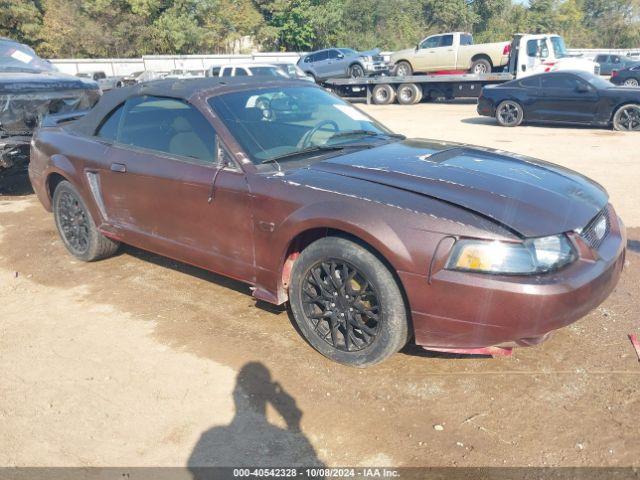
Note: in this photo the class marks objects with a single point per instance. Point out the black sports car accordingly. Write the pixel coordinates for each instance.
(562, 97)
(629, 77)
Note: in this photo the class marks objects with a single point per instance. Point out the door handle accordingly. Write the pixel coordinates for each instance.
(118, 167)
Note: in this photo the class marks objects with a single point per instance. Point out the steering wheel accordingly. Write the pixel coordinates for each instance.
(305, 141)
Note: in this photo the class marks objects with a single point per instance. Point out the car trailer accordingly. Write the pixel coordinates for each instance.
(415, 88)
(384, 90)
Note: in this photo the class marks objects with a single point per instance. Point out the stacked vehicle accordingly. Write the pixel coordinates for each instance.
(457, 68)
(31, 88)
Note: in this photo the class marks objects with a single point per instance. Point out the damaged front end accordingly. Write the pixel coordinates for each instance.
(30, 89)
(22, 111)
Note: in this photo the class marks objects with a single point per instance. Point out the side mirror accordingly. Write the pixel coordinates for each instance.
(582, 88)
(340, 56)
(417, 47)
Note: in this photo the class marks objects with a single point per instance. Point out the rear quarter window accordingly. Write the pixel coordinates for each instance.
(109, 127)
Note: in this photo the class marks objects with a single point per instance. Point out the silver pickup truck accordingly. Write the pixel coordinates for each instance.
(450, 52)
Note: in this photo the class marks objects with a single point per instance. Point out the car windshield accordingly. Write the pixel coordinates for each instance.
(268, 71)
(15, 57)
(283, 123)
(559, 48)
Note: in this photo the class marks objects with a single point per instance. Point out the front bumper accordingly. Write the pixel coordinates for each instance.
(467, 310)
(375, 68)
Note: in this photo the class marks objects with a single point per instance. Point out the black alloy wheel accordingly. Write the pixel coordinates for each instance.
(627, 118)
(341, 305)
(347, 302)
(77, 229)
(73, 221)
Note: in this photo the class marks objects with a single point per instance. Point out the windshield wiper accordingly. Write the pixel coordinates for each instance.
(366, 133)
(315, 148)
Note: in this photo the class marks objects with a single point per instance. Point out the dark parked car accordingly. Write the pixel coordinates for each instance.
(30, 89)
(610, 63)
(629, 77)
(373, 239)
(342, 63)
(562, 97)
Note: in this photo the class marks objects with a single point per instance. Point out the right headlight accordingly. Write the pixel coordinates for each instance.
(536, 255)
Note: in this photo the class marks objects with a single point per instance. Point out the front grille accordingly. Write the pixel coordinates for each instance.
(598, 229)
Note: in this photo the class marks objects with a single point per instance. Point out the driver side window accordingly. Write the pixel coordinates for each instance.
(163, 125)
(431, 42)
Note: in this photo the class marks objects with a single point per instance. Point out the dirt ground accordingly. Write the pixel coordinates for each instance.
(139, 361)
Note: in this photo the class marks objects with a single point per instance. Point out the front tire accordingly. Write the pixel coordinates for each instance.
(76, 227)
(631, 82)
(403, 69)
(347, 303)
(627, 118)
(356, 71)
(509, 113)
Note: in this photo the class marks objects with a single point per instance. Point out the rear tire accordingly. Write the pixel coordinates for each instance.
(347, 303)
(76, 227)
(509, 113)
(480, 66)
(627, 118)
(409, 94)
(383, 94)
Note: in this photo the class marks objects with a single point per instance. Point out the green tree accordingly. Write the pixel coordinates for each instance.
(20, 20)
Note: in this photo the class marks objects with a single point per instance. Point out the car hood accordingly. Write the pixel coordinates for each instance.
(24, 82)
(530, 197)
(402, 53)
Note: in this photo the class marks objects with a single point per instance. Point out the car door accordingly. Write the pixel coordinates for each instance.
(568, 98)
(616, 63)
(424, 59)
(445, 53)
(605, 66)
(169, 186)
(337, 66)
(321, 64)
(531, 97)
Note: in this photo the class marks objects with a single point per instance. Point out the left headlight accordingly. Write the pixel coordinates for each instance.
(536, 255)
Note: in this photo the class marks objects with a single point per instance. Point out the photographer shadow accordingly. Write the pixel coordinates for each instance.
(250, 440)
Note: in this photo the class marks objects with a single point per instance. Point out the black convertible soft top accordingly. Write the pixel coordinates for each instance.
(183, 89)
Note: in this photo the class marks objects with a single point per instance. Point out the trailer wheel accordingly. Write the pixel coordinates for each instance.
(383, 94)
(409, 93)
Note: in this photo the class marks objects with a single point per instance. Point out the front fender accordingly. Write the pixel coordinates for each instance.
(366, 226)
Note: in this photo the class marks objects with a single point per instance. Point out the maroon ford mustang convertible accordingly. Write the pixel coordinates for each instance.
(372, 238)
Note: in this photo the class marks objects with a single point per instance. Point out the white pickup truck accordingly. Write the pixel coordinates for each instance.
(450, 52)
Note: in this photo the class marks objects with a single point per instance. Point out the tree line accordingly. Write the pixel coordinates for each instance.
(131, 28)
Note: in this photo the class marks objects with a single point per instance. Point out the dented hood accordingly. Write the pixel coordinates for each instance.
(531, 197)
